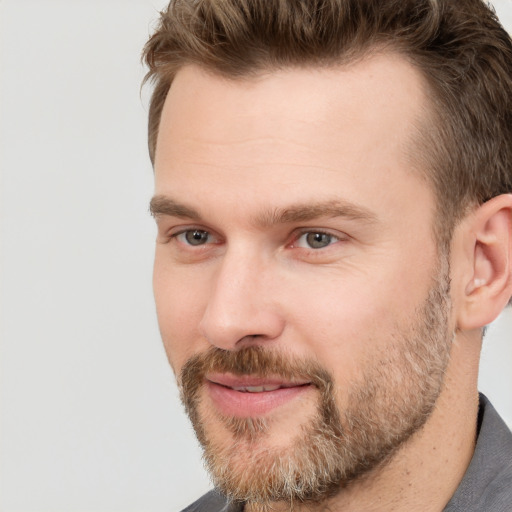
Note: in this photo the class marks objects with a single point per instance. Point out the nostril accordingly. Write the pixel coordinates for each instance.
(251, 338)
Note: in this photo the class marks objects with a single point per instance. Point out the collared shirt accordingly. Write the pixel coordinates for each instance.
(487, 483)
(486, 486)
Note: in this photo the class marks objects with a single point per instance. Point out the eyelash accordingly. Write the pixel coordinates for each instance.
(195, 231)
(294, 244)
(332, 238)
(175, 236)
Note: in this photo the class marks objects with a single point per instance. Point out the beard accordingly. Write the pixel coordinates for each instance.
(393, 397)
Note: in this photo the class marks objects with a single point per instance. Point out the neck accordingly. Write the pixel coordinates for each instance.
(425, 473)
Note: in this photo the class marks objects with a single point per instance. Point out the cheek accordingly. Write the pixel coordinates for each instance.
(180, 305)
(343, 332)
(346, 322)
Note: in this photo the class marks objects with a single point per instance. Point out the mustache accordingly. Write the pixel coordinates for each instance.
(261, 362)
(252, 360)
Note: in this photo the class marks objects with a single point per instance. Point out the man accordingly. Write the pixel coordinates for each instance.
(333, 185)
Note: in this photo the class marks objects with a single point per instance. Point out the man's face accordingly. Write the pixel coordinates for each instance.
(300, 296)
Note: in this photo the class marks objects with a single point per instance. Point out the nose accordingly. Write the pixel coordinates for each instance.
(242, 308)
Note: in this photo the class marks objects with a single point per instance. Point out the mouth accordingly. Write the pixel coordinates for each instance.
(251, 396)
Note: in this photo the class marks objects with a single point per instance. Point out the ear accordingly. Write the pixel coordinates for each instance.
(488, 281)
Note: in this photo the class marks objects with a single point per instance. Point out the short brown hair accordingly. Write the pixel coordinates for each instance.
(460, 47)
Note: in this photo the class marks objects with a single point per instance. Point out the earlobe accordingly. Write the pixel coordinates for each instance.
(489, 283)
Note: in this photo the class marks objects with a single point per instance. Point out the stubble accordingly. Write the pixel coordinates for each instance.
(393, 398)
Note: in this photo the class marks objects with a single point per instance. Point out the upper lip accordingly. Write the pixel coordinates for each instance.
(244, 381)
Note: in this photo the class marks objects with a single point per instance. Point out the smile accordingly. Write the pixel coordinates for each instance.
(255, 389)
(250, 396)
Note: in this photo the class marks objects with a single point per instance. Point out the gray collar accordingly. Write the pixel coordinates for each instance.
(487, 484)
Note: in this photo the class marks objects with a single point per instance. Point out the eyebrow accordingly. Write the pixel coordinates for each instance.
(163, 205)
(302, 212)
(308, 212)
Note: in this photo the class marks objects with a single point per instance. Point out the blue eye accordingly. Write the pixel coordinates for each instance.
(315, 240)
(194, 237)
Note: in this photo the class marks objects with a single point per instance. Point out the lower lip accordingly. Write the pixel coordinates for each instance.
(243, 404)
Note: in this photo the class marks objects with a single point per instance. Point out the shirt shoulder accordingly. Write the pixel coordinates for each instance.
(497, 497)
(213, 502)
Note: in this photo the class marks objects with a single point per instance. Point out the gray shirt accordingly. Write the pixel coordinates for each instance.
(486, 486)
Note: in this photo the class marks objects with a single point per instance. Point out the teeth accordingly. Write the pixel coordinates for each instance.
(255, 389)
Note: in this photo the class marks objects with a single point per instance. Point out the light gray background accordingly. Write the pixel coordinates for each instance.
(90, 419)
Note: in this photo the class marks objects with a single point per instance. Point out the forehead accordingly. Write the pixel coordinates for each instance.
(299, 130)
(378, 89)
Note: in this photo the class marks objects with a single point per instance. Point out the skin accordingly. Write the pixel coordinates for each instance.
(230, 154)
